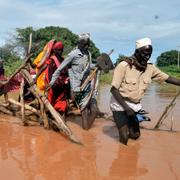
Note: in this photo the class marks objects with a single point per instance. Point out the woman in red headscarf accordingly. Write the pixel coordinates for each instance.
(59, 93)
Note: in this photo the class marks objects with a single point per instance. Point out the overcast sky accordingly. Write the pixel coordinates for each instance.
(112, 23)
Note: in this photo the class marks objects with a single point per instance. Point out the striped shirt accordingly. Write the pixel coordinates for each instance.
(79, 65)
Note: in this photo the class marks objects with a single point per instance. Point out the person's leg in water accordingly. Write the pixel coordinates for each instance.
(121, 121)
(134, 130)
(85, 116)
(123, 134)
(93, 111)
(89, 114)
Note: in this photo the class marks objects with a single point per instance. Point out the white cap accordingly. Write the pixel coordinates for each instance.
(143, 42)
(84, 36)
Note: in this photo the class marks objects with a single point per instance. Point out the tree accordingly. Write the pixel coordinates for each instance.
(167, 58)
(10, 58)
(17, 47)
(119, 59)
(43, 35)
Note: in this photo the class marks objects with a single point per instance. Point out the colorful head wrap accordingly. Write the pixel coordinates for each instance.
(58, 45)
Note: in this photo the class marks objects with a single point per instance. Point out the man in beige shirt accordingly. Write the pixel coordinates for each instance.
(130, 80)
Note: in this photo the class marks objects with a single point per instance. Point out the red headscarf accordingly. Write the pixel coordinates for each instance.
(58, 45)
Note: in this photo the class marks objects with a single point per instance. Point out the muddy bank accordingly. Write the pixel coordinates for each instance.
(32, 153)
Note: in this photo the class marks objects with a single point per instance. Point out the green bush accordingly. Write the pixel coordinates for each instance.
(106, 78)
(11, 66)
(171, 70)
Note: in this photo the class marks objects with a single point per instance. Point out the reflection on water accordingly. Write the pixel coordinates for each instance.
(32, 153)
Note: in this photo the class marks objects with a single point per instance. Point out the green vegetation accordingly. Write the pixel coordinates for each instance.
(14, 50)
(167, 62)
(11, 67)
(171, 70)
(10, 58)
(43, 35)
(106, 78)
(167, 58)
(119, 59)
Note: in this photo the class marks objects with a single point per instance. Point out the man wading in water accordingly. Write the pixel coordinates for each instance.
(130, 81)
(79, 64)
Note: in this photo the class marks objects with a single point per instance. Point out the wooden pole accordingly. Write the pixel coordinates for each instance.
(6, 98)
(30, 44)
(166, 111)
(27, 107)
(27, 59)
(24, 121)
(89, 78)
(5, 110)
(42, 99)
(93, 74)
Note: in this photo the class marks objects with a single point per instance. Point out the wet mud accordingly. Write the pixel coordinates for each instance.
(33, 153)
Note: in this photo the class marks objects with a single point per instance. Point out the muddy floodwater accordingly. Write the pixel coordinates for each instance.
(33, 153)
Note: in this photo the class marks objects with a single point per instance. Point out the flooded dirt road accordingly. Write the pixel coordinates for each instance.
(32, 153)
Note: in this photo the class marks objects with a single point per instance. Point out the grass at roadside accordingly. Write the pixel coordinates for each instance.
(172, 70)
(106, 78)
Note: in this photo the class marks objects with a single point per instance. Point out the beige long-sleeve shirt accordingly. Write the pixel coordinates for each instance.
(133, 83)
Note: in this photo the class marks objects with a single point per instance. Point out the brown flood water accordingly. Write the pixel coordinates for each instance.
(33, 153)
